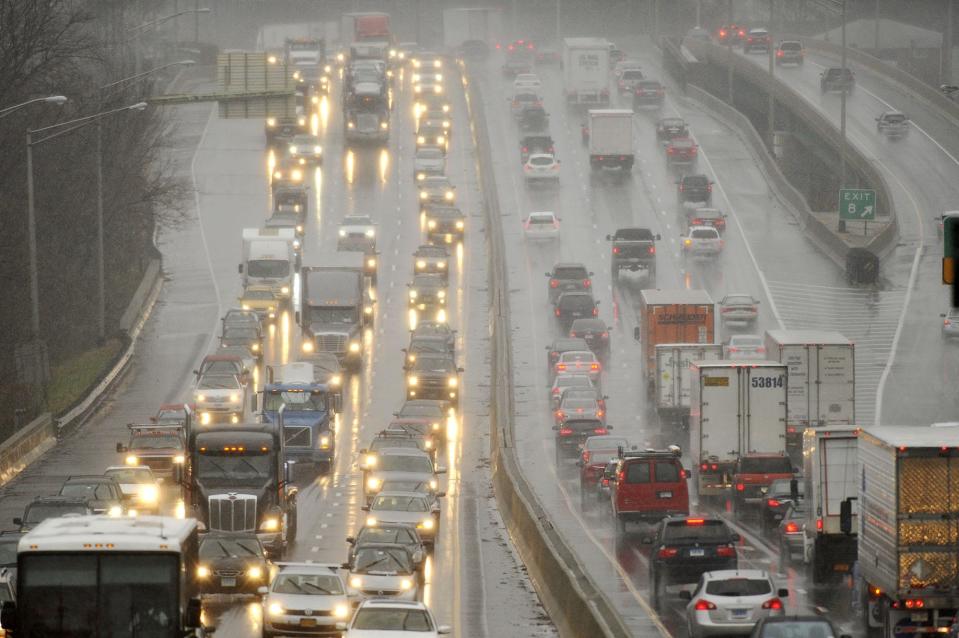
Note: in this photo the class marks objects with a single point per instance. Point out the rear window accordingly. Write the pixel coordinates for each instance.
(634, 234)
(790, 46)
(698, 530)
(650, 86)
(541, 161)
(666, 472)
(540, 219)
(682, 143)
(637, 472)
(739, 587)
(695, 181)
(797, 629)
(705, 233)
(739, 300)
(570, 272)
(895, 119)
(772, 465)
(583, 425)
(632, 75)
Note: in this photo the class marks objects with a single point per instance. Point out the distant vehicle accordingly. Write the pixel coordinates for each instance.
(628, 80)
(561, 345)
(436, 189)
(428, 161)
(568, 277)
(393, 618)
(781, 494)
(522, 100)
(790, 535)
(731, 33)
(103, 493)
(757, 39)
(231, 563)
(702, 242)
(571, 435)
(732, 602)
(740, 308)
(427, 293)
(526, 81)
(160, 447)
(790, 52)
(305, 149)
(574, 305)
(43, 507)
(548, 55)
(837, 79)
(648, 93)
(432, 133)
(408, 507)
(681, 151)
(533, 144)
(434, 376)
(650, 485)
(533, 119)
(579, 407)
(519, 58)
(893, 124)
(610, 141)
(706, 217)
(598, 452)
(242, 336)
(798, 626)
(308, 596)
(565, 381)
(950, 323)
(541, 168)
(141, 490)
(671, 127)
(393, 533)
(687, 548)
(541, 225)
(432, 260)
(586, 64)
(595, 332)
(357, 232)
(694, 191)
(579, 362)
(381, 571)
(241, 317)
(219, 398)
(445, 224)
(745, 347)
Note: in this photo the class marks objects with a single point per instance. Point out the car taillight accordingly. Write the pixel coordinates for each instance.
(772, 502)
(914, 603)
(560, 367)
(616, 252)
(560, 415)
(604, 335)
(761, 349)
(587, 283)
(703, 605)
(670, 150)
(565, 431)
(818, 524)
(600, 431)
(554, 283)
(740, 487)
(696, 222)
(668, 552)
(682, 187)
(773, 603)
(779, 54)
(600, 413)
(709, 188)
(722, 34)
(695, 522)
(586, 456)
(660, 91)
(652, 251)
(726, 551)
(733, 349)
(557, 311)
(742, 33)
(693, 150)
(605, 482)
(594, 366)
(703, 467)
(640, 92)
(792, 528)
(525, 150)
(595, 311)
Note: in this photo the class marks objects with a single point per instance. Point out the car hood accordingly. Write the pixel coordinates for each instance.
(356, 230)
(428, 162)
(380, 581)
(237, 563)
(314, 602)
(384, 633)
(421, 477)
(393, 516)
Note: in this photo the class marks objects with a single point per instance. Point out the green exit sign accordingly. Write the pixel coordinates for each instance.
(857, 203)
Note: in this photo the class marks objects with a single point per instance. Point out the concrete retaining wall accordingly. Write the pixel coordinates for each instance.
(26, 446)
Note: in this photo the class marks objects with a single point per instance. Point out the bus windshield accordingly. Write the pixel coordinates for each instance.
(83, 595)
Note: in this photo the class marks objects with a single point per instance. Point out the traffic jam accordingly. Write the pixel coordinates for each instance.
(754, 504)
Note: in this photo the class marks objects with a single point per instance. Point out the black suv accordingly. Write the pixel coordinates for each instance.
(574, 305)
(571, 435)
(533, 118)
(633, 249)
(684, 548)
(595, 332)
(561, 345)
(837, 79)
(103, 493)
(671, 127)
(434, 376)
(568, 277)
(44, 507)
(445, 224)
(694, 189)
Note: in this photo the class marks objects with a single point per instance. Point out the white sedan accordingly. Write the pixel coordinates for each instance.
(310, 597)
(731, 602)
(357, 232)
(541, 167)
(526, 81)
(542, 225)
(745, 347)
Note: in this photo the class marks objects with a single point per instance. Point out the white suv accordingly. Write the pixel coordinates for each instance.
(384, 618)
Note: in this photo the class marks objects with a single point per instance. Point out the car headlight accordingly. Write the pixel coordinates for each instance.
(270, 525)
(245, 306)
(301, 121)
(453, 382)
(132, 460)
(255, 573)
(446, 123)
(459, 225)
(421, 139)
(354, 346)
(448, 195)
(278, 174)
(384, 125)
(255, 347)
(317, 149)
(441, 264)
(421, 263)
(299, 228)
(433, 484)
(342, 232)
(413, 294)
(373, 483)
(418, 88)
(412, 380)
(356, 582)
(336, 380)
(431, 224)
(205, 418)
(367, 310)
(416, 77)
(341, 611)
(426, 524)
(296, 246)
(276, 609)
(369, 232)
(437, 64)
(234, 398)
(371, 521)
(428, 444)
(307, 346)
(179, 459)
(406, 584)
(424, 194)
(324, 442)
(293, 150)
(271, 121)
(131, 513)
(437, 89)
(440, 140)
(202, 571)
(441, 294)
(420, 177)
(371, 262)
(446, 108)
(370, 460)
(296, 174)
(285, 290)
(148, 494)
(115, 512)
(436, 427)
(201, 397)
(350, 125)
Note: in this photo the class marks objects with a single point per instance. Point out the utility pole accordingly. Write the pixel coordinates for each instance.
(876, 20)
(772, 64)
(946, 77)
(32, 244)
(842, 107)
(731, 58)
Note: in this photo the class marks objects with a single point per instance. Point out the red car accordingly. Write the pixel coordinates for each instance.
(597, 452)
(734, 32)
(650, 485)
(681, 150)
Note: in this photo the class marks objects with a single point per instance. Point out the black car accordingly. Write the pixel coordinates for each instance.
(103, 493)
(425, 346)
(427, 292)
(571, 435)
(837, 79)
(795, 627)
(633, 249)
(574, 305)
(649, 93)
(684, 548)
(231, 564)
(445, 224)
(568, 277)
(595, 332)
(694, 189)
(561, 345)
(429, 259)
(533, 118)
(671, 127)
(44, 507)
(242, 336)
(782, 493)
(434, 377)
(404, 534)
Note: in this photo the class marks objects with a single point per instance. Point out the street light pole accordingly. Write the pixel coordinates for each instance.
(52, 99)
(842, 107)
(729, 44)
(772, 65)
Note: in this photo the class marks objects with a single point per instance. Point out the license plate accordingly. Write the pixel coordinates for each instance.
(840, 567)
(665, 495)
(740, 613)
(228, 582)
(920, 616)
(697, 552)
(307, 622)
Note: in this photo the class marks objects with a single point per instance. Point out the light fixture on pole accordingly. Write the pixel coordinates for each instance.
(51, 99)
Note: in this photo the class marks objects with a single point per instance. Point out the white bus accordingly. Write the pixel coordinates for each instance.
(96, 577)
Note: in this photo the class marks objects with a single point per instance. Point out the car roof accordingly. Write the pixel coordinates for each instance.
(386, 603)
(725, 574)
(569, 342)
(578, 353)
(402, 493)
(568, 264)
(403, 451)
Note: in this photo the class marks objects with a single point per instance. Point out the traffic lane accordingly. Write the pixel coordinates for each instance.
(178, 328)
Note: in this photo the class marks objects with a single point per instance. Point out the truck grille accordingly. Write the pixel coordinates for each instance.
(297, 435)
(233, 512)
(331, 343)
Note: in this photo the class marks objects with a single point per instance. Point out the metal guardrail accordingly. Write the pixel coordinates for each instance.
(574, 602)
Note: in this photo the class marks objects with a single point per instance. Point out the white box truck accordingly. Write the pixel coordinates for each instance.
(822, 380)
(269, 260)
(908, 537)
(611, 139)
(586, 71)
(672, 379)
(737, 410)
(831, 474)
(472, 30)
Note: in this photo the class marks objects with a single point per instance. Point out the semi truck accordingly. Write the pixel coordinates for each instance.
(241, 482)
(368, 26)
(335, 307)
(831, 475)
(473, 29)
(672, 316)
(909, 529)
(737, 427)
(269, 260)
(611, 139)
(672, 379)
(822, 380)
(586, 71)
(309, 413)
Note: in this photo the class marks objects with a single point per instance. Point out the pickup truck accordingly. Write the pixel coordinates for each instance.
(633, 249)
(533, 144)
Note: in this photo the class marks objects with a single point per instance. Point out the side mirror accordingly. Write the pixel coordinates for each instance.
(288, 471)
(943, 315)
(16, 521)
(440, 470)
(263, 591)
(194, 611)
(365, 508)
(609, 427)
(735, 537)
(121, 448)
(196, 373)
(636, 333)
(549, 274)
(685, 595)
(590, 274)
(443, 630)
(794, 490)
(460, 370)
(345, 566)
(658, 237)
(351, 540)
(782, 593)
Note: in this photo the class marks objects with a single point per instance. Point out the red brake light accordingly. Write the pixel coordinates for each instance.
(560, 414)
(561, 367)
(587, 283)
(772, 502)
(914, 603)
(682, 187)
(605, 335)
(565, 431)
(525, 149)
(595, 311)
(557, 312)
(818, 524)
(722, 34)
(651, 250)
(742, 33)
(704, 605)
(704, 467)
(616, 252)
(709, 188)
(670, 150)
(779, 54)
(605, 482)
(600, 431)
(586, 456)
(740, 487)
(726, 552)
(666, 552)
(695, 521)
(554, 283)
(594, 366)
(714, 467)
(773, 603)
(761, 349)
(792, 528)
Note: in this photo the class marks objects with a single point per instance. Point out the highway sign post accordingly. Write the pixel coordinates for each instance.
(857, 204)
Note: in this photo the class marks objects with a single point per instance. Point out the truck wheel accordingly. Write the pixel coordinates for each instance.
(657, 592)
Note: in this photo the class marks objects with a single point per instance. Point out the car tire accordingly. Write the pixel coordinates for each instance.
(657, 592)
(620, 526)
(268, 634)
